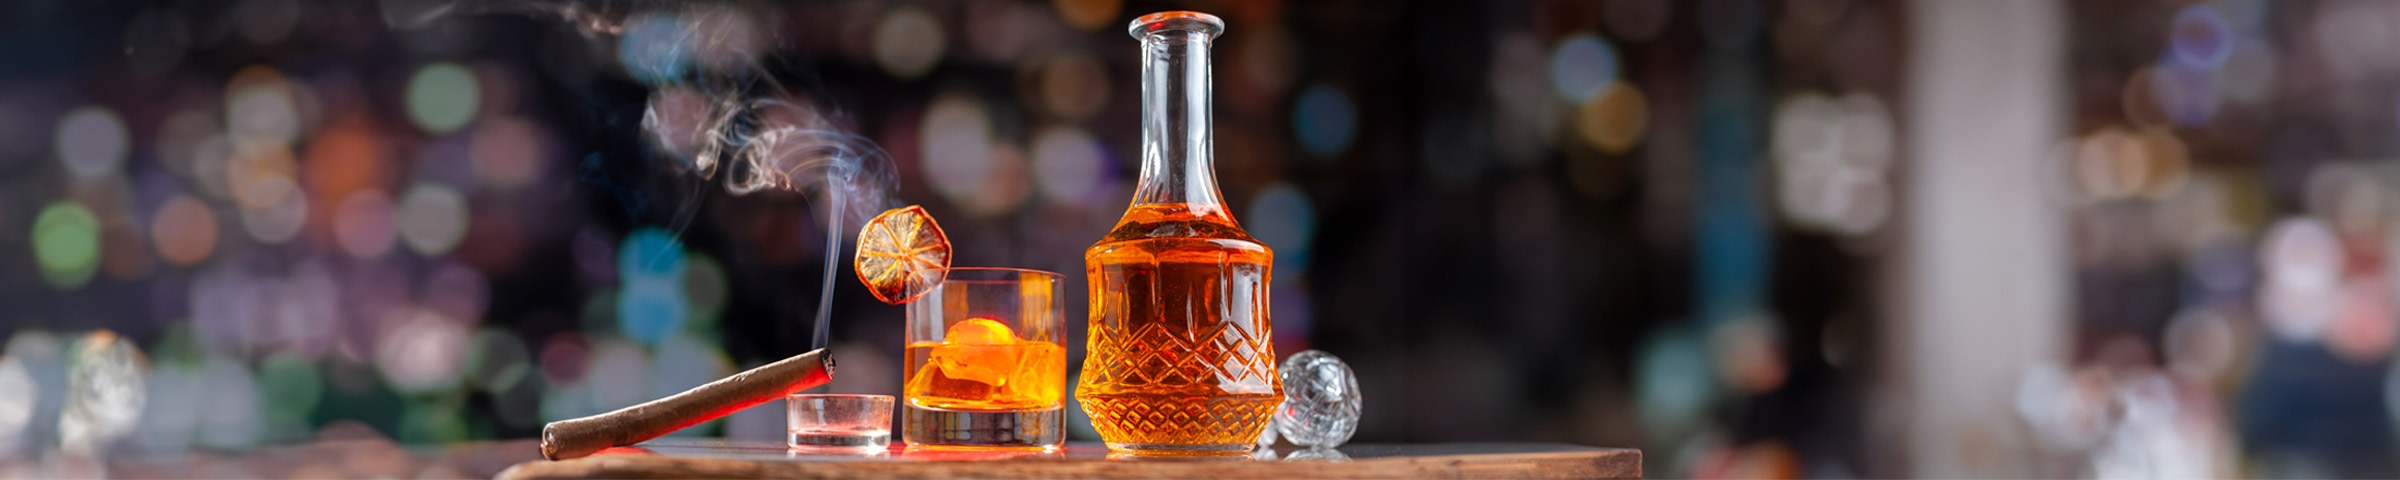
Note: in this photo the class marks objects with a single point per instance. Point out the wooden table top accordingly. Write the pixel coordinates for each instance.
(712, 458)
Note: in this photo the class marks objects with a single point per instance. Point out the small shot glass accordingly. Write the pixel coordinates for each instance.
(839, 422)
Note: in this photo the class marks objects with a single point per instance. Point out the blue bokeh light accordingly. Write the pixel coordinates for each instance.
(1325, 120)
(1283, 217)
(650, 255)
(1582, 65)
(2199, 37)
(653, 303)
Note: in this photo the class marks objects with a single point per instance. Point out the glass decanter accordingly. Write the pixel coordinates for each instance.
(1178, 360)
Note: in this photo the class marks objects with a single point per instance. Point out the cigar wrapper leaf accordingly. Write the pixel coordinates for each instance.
(572, 438)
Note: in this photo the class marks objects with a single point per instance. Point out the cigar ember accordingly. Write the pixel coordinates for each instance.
(572, 438)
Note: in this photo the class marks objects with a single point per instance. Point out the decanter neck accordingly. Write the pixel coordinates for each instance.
(1178, 159)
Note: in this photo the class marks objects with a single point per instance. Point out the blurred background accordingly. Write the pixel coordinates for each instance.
(1755, 238)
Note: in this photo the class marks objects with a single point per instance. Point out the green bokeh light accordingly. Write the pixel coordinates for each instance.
(443, 97)
(291, 386)
(66, 243)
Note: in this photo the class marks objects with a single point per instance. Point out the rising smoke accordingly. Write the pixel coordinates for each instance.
(716, 111)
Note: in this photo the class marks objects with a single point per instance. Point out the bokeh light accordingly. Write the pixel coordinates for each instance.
(957, 147)
(651, 255)
(1088, 14)
(66, 244)
(1581, 65)
(2363, 324)
(2202, 344)
(1071, 86)
(432, 422)
(648, 314)
(1325, 120)
(225, 302)
(908, 42)
(432, 218)
(423, 353)
(1068, 165)
(2114, 163)
(2187, 94)
(508, 153)
(363, 224)
(92, 142)
(261, 107)
(260, 175)
(565, 358)
(442, 97)
(1614, 120)
(291, 388)
(276, 222)
(167, 425)
(1748, 353)
(1281, 215)
(651, 305)
(184, 231)
(2351, 38)
(212, 161)
(234, 414)
(298, 307)
(626, 377)
(1831, 162)
(2198, 37)
(2302, 261)
(1672, 372)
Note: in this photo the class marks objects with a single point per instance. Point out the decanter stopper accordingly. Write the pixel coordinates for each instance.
(1320, 400)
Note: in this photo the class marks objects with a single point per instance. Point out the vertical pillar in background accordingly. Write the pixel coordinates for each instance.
(1983, 282)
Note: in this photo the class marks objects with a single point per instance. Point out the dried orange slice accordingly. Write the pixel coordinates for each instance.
(902, 254)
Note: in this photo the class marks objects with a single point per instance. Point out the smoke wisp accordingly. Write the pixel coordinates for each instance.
(716, 112)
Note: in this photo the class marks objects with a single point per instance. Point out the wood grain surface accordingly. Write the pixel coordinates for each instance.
(685, 458)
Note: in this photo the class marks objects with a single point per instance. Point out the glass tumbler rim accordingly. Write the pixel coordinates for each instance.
(866, 396)
(992, 274)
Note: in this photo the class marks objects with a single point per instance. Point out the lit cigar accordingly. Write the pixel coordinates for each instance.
(578, 437)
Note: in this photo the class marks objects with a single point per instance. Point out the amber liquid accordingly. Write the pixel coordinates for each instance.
(1026, 375)
(1179, 358)
(985, 397)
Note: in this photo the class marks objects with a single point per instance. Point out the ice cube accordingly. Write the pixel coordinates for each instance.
(986, 364)
(979, 331)
(977, 350)
(944, 391)
(1320, 400)
(1037, 377)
